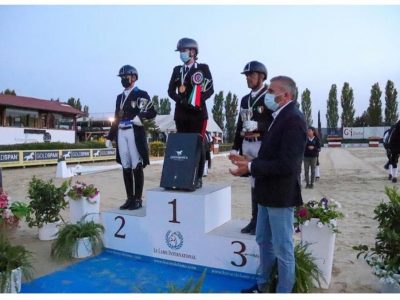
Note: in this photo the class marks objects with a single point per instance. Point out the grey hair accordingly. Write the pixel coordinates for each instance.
(289, 84)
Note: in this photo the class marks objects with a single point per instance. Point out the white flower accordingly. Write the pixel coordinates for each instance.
(306, 222)
(7, 213)
(319, 224)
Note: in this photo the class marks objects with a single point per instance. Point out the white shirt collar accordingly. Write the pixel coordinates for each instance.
(276, 113)
(128, 91)
(253, 94)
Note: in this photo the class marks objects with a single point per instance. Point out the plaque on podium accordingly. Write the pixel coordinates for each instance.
(181, 161)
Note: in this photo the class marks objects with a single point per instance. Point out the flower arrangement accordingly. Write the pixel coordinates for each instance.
(11, 212)
(384, 258)
(325, 210)
(82, 190)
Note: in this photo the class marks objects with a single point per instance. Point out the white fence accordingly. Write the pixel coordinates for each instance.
(363, 132)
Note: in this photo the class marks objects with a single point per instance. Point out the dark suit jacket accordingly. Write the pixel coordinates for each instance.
(131, 112)
(182, 109)
(278, 165)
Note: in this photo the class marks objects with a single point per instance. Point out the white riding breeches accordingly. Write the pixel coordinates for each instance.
(250, 150)
(127, 149)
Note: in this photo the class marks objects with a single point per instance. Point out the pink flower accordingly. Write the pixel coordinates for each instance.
(303, 212)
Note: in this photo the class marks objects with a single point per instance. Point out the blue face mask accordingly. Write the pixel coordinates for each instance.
(185, 57)
(269, 101)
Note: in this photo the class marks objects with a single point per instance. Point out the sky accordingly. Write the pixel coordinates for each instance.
(55, 51)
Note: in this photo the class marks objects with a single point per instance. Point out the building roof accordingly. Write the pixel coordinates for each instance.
(34, 103)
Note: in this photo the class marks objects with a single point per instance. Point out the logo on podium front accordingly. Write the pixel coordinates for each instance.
(174, 240)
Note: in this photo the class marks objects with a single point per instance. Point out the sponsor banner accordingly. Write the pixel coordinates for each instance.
(103, 152)
(353, 132)
(40, 155)
(11, 156)
(75, 154)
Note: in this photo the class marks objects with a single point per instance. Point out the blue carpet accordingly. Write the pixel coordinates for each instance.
(117, 272)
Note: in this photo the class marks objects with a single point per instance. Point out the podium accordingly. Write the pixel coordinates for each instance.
(191, 228)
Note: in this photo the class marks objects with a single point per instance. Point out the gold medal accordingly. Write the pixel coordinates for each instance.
(182, 89)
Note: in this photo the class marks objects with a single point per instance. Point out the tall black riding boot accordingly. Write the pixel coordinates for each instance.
(139, 182)
(200, 170)
(251, 227)
(128, 181)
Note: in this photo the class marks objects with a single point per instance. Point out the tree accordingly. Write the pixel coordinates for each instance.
(86, 110)
(75, 103)
(375, 106)
(231, 111)
(151, 128)
(217, 110)
(306, 106)
(156, 104)
(332, 114)
(391, 104)
(347, 102)
(8, 92)
(362, 120)
(165, 106)
(319, 126)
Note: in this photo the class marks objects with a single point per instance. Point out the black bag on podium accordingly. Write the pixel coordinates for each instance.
(181, 161)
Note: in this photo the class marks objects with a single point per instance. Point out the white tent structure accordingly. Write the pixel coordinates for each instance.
(166, 124)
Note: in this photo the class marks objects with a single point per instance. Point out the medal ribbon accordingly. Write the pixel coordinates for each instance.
(194, 98)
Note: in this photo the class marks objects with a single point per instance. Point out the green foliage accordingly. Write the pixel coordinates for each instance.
(332, 114)
(62, 248)
(384, 257)
(391, 114)
(8, 92)
(231, 112)
(12, 257)
(375, 106)
(76, 103)
(347, 101)
(156, 104)
(306, 271)
(151, 127)
(306, 106)
(362, 120)
(165, 106)
(46, 202)
(190, 287)
(326, 211)
(157, 148)
(52, 146)
(217, 110)
(20, 209)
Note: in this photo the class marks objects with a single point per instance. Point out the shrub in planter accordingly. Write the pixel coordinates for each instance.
(12, 258)
(11, 213)
(64, 247)
(46, 202)
(384, 257)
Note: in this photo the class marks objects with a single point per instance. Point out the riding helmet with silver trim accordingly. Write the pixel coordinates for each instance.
(128, 70)
(187, 43)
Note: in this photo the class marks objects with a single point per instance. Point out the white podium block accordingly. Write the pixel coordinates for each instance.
(199, 211)
(321, 246)
(187, 227)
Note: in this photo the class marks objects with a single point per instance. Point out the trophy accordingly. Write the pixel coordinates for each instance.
(143, 104)
(246, 115)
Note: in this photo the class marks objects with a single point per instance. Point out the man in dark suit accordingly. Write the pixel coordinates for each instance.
(190, 86)
(277, 184)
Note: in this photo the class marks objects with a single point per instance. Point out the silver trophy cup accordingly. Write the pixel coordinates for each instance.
(143, 104)
(246, 115)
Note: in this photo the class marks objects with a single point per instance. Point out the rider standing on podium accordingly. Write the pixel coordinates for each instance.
(190, 86)
(253, 121)
(132, 106)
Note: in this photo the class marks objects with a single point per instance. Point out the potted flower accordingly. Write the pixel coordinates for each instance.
(45, 205)
(11, 213)
(84, 200)
(384, 257)
(15, 262)
(317, 222)
(78, 240)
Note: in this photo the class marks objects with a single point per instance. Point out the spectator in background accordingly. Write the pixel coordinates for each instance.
(311, 153)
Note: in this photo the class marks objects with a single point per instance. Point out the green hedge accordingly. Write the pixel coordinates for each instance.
(157, 148)
(51, 146)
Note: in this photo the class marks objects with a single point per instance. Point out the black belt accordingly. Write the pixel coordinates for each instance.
(253, 139)
(125, 127)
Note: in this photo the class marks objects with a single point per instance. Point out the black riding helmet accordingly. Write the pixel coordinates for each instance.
(255, 66)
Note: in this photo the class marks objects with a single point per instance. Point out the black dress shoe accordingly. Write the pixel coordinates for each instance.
(135, 204)
(126, 204)
(253, 231)
(248, 228)
(252, 290)
(390, 177)
(394, 179)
